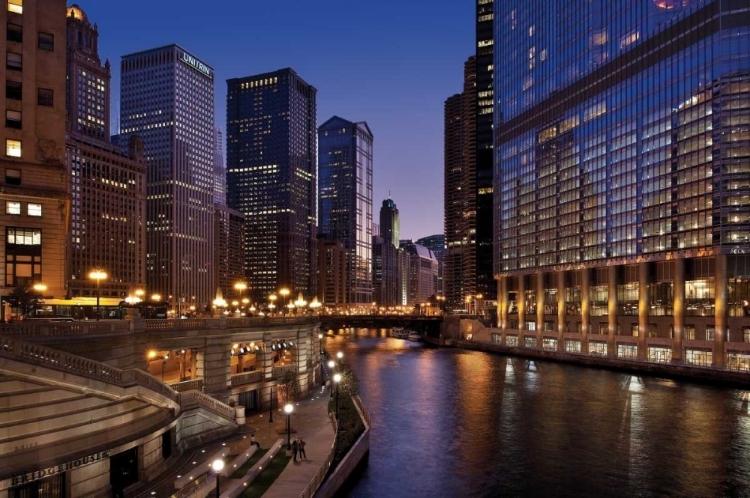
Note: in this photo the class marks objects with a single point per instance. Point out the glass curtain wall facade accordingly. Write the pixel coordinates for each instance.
(622, 139)
(272, 178)
(345, 199)
(167, 99)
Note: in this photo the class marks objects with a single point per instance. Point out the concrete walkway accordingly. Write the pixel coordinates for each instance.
(310, 421)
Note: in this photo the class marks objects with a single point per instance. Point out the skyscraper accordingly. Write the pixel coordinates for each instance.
(167, 98)
(34, 193)
(436, 244)
(482, 189)
(622, 165)
(229, 240)
(108, 187)
(421, 274)
(345, 198)
(390, 225)
(272, 177)
(220, 170)
(460, 192)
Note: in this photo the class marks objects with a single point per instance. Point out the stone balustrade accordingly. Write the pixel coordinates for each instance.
(279, 372)
(40, 328)
(16, 349)
(191, 399)
(241, 379)
(188, 385)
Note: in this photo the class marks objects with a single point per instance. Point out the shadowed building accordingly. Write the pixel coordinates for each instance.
(34, 194)
(167, 98)
(108, 186)
(332, 272)
(345, 199)
(272, 177)
(229, 239)
(622, 159)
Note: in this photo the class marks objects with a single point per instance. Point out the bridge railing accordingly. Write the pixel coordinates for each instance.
(40, 328)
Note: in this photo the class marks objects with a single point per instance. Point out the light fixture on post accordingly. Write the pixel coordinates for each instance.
(156, 298)
(337, 380)
(218, 466)
(40, 288)
(284, 292)
(331, 364)
(240, 287)
(98, 275)
(314, 305)
(288, 409)
(272, 304)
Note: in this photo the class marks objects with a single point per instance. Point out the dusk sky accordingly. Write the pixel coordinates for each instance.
(391, 63)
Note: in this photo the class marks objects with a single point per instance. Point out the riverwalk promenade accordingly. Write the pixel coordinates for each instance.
(309, 420)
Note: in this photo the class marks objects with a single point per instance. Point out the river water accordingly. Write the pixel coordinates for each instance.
(453, 423)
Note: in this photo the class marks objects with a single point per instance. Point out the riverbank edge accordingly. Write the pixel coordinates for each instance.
(354, 456)
(700, 374)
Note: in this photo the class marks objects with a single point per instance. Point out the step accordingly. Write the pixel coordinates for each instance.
(35, 396)
(11, 384)
(78, 430)
(84, 405)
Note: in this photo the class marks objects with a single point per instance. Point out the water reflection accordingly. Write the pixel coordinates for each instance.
(457, 423)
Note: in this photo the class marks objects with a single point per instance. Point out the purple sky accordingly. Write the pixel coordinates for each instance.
(391, 63)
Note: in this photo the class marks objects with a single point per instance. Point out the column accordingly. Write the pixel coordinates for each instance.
(643, 309)
(611, 309)
(193, 374)
(720, 320)
(521, 305)
(561, 311)
(218, 370)
(539, 308)
(267, 357)
(502, 311)
(585, 310)
(679, 309)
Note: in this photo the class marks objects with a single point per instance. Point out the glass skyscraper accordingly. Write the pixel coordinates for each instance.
(167, 99)
(622, 142)
(345, 198)
(272, 178)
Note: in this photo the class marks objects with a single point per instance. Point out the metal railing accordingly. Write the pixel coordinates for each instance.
(320, 475)
(247, 378)
(60, 360)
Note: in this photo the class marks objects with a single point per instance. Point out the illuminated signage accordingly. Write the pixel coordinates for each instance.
(196, 64)
(63, 467)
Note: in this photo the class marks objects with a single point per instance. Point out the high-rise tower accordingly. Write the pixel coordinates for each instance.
(345, 198)
(272, 178)
(167, 98)
(390, 224)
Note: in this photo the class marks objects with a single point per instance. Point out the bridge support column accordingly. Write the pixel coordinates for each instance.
(218, 366)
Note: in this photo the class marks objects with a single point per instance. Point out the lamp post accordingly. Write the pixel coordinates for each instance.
(288, 409)
(98, 275)
(218, 466)
(320, 340)
(40, 288)
(331, 364)
(337, 380)
(340, 355)
(271, 306)
(240, 286)
(284, 293)
(270, 407)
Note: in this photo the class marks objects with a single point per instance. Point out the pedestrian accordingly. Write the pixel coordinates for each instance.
(253, 441)
(294, 450)
(301, 446)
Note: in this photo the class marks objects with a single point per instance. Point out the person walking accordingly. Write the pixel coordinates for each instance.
(301, 446)
(253, 441)
(294, 450)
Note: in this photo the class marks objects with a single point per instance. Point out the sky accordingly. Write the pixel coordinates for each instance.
(391, 63)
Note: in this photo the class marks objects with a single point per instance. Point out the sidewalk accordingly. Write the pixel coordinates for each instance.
(310, 421)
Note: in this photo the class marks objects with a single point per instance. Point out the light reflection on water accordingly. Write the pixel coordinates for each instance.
(451, 423)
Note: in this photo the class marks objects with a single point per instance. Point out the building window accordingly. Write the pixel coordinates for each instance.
(46, 41)
(13, 177)
(34, 209)
(12, 147)
(24, 236)
(13, 119)
(15, 6)
(23, 256)
(13, 61)
(12, 207)
(15, 32)
(46, 97)
(13, 90)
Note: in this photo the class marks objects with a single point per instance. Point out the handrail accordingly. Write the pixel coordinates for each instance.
(188, 385)
(60, 360)
(320, 475)
(191, 398)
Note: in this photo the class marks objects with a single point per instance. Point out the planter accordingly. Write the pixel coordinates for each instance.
(239, 415)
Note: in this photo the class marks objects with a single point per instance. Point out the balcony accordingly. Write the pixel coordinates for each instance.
(279, 372)
(244, 378)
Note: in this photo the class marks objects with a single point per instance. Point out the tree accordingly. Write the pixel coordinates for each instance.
(25, 299)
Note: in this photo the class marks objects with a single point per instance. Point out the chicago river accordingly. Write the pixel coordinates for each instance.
(448, 422)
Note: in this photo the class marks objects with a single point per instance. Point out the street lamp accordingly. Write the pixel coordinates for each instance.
(314, 305)
(288, 409)
(270, 407)
(98, 275)
(40, 288)
(156, 297)
(339, 355)
(331, 364)
(337, 380)
(284, 293)
(218, 466)
(320, 340)
(272, 298)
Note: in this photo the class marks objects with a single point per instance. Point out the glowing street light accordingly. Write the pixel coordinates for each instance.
(337, 380)
(218, 466)
(98, 275)
(240, 287)
(288, 409)
(156, 297)
(284, 293)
